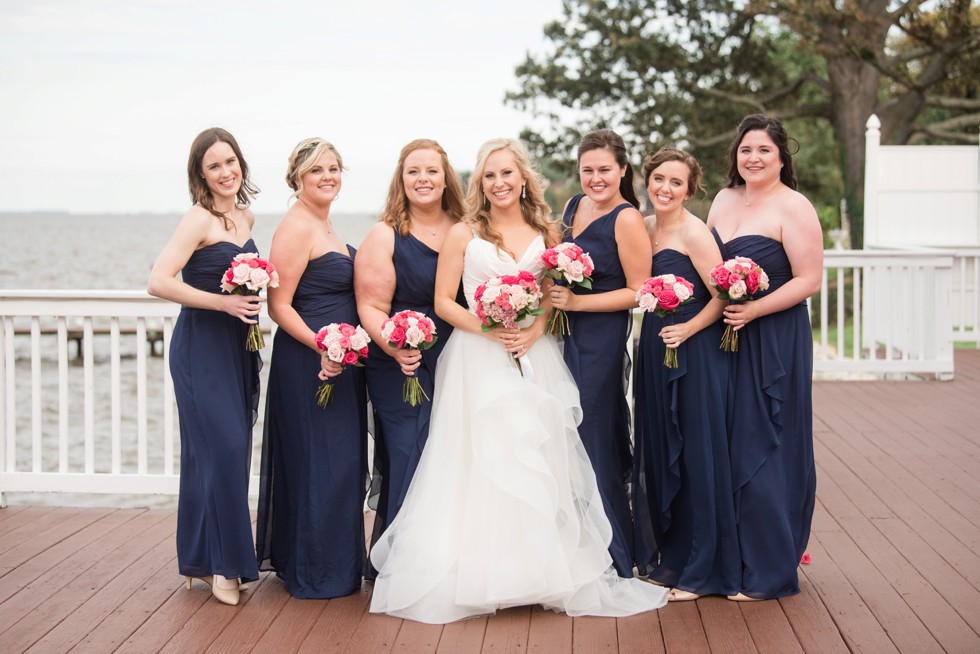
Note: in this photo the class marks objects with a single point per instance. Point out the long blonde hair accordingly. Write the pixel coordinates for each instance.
(535, 210)
(395, 213)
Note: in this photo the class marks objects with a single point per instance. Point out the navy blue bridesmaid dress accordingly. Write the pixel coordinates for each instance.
(401, 429)
(596, 355)
(685, 535)
(770, 416)
(310, 526)
(216, 381)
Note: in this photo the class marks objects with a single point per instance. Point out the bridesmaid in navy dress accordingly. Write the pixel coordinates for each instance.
(761, 215)
(314, 460)
(215, 377)
(605, 223)
(395, 271)
(682, 482)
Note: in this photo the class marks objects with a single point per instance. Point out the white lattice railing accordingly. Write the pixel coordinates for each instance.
(72, 360)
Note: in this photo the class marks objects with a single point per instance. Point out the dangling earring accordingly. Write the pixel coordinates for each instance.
(524, 191)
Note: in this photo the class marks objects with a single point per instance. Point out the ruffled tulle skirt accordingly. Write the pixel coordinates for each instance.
(503, 509)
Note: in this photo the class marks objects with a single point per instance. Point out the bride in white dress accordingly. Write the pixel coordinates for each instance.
(503, 509)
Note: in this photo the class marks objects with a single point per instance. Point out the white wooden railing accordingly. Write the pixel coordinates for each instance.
(896, 306)
(48, 406)
(903, 310)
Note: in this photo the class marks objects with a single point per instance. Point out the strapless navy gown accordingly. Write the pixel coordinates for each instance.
(314, 460)
(216, 382)
(400, 430)
(595, 352)
(684, 513)
(770, 409)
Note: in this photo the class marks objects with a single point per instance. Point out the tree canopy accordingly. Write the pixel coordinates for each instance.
(685, 72)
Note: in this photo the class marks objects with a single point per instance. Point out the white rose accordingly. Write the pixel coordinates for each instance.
(575, 271)
(737, 290)
(648, 302)
(682, 292)
(241, 272)
(414, 335)
(358, 341)
(335, 353)
(668, 279)
(386, 330)
(491, 293)
(257, 279)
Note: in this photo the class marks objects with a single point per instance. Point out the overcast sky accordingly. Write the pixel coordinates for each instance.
(102, 98)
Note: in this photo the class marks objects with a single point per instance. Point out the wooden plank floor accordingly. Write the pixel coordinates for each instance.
(895, 564)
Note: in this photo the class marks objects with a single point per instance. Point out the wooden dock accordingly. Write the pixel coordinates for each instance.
(895, 564)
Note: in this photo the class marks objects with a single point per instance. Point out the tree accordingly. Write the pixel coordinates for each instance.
(671, 71)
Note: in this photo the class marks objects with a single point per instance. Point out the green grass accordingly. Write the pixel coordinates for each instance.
(832, 338)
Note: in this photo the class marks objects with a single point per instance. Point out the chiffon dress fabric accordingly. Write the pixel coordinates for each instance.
(400, 430)
(216, 383)
(503, 509)
(685, 535)
(596, 354)
(310, 526)
(770, 416)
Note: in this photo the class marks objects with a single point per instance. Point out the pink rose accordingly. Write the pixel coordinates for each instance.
(752, 281)
(805, 559)
(667, 299)
(350, 357)
(398, 336)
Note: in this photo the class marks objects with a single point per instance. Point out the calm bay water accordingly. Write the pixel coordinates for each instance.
(100, 252)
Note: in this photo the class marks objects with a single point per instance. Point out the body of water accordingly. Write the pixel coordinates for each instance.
(101, 252)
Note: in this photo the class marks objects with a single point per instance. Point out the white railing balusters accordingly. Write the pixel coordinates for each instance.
(141, 414)
(857, 322)
(168, 402)
(35, 394)
(115, 402)
(88, 372)
(10, 428)
(824, 295)
(62, 394)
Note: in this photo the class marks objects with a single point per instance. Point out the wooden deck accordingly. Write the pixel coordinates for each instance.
(895, 564)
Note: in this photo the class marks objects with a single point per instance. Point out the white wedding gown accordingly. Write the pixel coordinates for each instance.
(503, 509)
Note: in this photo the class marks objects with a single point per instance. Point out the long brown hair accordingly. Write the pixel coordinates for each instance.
(774, 128)
(535, 210)
(199, 190)
(395, 213)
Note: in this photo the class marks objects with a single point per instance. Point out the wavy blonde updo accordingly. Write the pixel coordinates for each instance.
(302, 159)
(396, 210)
(535, 210)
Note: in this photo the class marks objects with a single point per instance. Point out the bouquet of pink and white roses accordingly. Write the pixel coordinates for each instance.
(248, 275)
(569, 263)
(344, 344)
(508, 299)
(410, 330)
(662, 295)
(737, 279)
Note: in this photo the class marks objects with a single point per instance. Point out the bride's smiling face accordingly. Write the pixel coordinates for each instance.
(502, 179)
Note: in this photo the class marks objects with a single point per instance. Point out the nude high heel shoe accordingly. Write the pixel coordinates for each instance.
(225, 595)
(209, 580)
